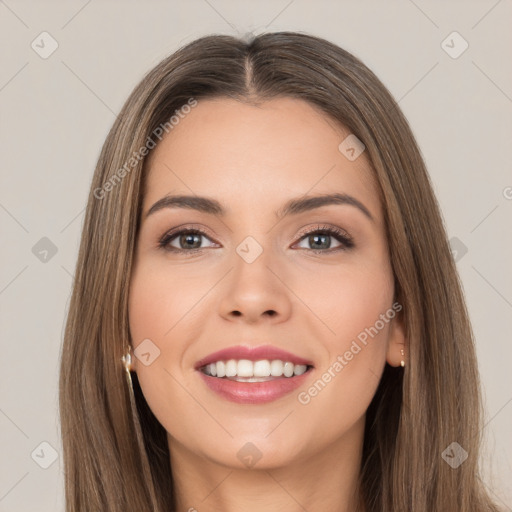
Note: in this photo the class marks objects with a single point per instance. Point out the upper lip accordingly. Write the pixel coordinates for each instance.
(252, 354)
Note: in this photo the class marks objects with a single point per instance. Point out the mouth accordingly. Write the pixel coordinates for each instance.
(253, 375)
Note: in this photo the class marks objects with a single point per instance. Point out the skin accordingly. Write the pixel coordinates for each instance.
(253, 159)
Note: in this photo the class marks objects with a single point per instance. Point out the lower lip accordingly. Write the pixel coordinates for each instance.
(254, 392)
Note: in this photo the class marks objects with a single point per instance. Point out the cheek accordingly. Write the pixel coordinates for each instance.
(346, 300)
(158, 300)
(357, 307)
(164, 312)
(364, 301)
(155, 308)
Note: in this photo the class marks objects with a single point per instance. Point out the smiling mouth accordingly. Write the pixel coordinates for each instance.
(244, 370)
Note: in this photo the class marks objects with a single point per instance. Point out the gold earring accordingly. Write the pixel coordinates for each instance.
(402, 362)
(127, 361)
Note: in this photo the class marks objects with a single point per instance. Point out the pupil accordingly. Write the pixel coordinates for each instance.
(317, 237)
(189, 238)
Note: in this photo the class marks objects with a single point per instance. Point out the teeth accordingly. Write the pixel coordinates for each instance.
(231, 368)
(220, 367)
(256, 371)
(276, 368)
(245, 368)
(288, 369)
(261, 368)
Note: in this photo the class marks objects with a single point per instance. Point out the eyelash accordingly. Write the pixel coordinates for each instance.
(339, 234)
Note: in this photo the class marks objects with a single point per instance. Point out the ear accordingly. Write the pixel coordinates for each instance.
(397, 341)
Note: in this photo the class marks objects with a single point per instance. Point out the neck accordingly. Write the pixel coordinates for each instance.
(325, 480)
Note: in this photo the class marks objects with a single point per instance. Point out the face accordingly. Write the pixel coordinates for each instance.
(314, 281)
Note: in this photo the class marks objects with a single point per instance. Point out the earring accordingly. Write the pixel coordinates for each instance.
(402, 362)
(127, 361)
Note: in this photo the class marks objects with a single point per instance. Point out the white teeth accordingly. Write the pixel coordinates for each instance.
(244, 368)
(276, 368)
(261, 368)
(256, 371)
(288, 369)
(299, 369)
(231, 368)
(221, 369)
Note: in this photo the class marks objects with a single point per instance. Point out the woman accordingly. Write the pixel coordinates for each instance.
(219, 354)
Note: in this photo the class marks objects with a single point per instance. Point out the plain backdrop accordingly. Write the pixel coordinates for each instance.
(57, 108)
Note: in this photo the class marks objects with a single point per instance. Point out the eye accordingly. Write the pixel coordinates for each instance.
(188, 240)
(320, 237)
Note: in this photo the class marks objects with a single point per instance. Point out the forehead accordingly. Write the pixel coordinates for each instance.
(255, 155)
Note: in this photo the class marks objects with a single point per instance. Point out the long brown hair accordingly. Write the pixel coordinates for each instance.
(116, 456)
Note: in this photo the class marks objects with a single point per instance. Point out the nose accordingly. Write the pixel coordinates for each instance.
(256, 292)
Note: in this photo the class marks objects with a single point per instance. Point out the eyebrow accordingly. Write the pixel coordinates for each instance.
(292, 207)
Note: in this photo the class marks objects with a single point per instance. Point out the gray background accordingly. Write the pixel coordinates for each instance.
(55, 114)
